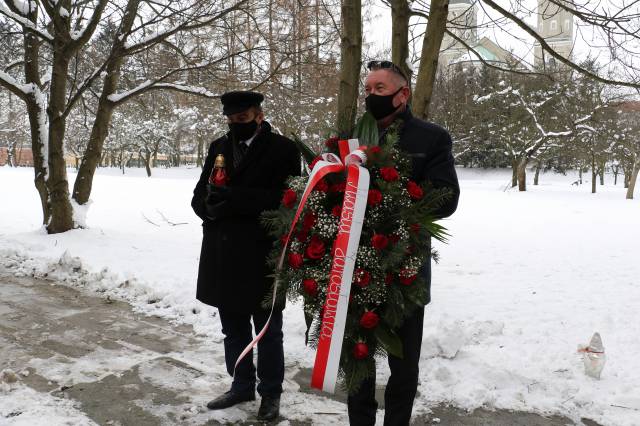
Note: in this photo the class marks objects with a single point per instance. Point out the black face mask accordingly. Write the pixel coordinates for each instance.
(381, 106)
(243, 131)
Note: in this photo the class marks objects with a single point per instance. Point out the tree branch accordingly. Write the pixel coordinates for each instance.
(552, 52)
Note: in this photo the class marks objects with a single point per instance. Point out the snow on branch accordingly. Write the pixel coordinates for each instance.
(18, 89)
(122, 97)
(83, 35)
(23, 7)
(194, 90)
(117, 98)
(13, 64)
(27, 24)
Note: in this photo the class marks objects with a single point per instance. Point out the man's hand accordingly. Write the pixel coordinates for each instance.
(217, 194)
(216, 204)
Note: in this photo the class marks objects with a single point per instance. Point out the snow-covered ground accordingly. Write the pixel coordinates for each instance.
(525, 278)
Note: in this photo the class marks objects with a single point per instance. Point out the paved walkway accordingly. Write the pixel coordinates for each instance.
(122, 368)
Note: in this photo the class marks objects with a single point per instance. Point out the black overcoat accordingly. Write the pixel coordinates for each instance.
(430, 148)
(233, 274)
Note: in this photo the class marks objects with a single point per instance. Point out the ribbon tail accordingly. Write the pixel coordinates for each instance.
(327, 362)
(321, 169)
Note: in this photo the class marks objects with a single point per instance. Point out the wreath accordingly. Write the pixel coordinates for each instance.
(395, 243)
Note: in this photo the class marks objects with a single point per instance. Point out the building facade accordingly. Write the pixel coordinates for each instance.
(463, 22)
(556, 26)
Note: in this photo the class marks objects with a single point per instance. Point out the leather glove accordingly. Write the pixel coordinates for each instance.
(217, 211)
(217, 194)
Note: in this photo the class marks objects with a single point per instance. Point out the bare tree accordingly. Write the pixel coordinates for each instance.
(351, 61)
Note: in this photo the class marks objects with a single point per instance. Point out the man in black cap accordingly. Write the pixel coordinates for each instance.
(233, 274)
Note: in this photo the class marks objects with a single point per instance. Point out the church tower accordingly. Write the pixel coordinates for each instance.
(463, 22)
(556, 26)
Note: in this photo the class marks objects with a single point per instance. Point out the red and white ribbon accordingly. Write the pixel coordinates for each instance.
(325, 370)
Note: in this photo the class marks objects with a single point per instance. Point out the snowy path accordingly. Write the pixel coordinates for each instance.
(525, 278)
(85, 360)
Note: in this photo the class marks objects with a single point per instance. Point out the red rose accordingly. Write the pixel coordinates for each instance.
(321, 186)
(289, 198)
(332, 143)
(360, 350)
(308, 221)
(369, 319)
(389, 174)
(338, 187)
(295, 260)
(313, 163)
(302, 235)
(414, 190)
(361, 278)
(374, 150)
(393, 238)
(336, 211)
(407, 279)
(310, 287)
(388, 279)
(379, 241)
(374, 198)
(415, 227)
(315, 249)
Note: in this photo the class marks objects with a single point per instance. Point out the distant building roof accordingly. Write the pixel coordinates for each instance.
(487, 51)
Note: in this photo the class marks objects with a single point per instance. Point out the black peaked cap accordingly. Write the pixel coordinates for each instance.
(238, 101)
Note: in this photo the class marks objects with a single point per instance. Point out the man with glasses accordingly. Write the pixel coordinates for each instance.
(429, 146)
(233, 274)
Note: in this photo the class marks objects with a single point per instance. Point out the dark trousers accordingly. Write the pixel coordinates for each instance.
(402, 385)
(237, 331)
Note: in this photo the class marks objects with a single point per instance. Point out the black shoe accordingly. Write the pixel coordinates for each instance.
(229, 399)
(269, 408)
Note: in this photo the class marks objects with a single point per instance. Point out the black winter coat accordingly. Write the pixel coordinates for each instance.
(429, 146)
(233, 273)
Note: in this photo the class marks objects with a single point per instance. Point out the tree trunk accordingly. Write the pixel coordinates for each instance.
(199, 160)
(36, 110)
(514, 173)
(12, 158)
(522, 174)
(615, 169)
(634, 178)
(429, 57)
(57, 183)
(37, 124)
(627, 178)
(580, 174)
(93, 152)
(351, 60)
(601, 173)
(594, 174)
(272, 51)
(400, 14)
(100, 129)
(536, 177)
(146, 159)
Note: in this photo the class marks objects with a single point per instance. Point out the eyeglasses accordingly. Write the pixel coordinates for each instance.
(386, 65)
